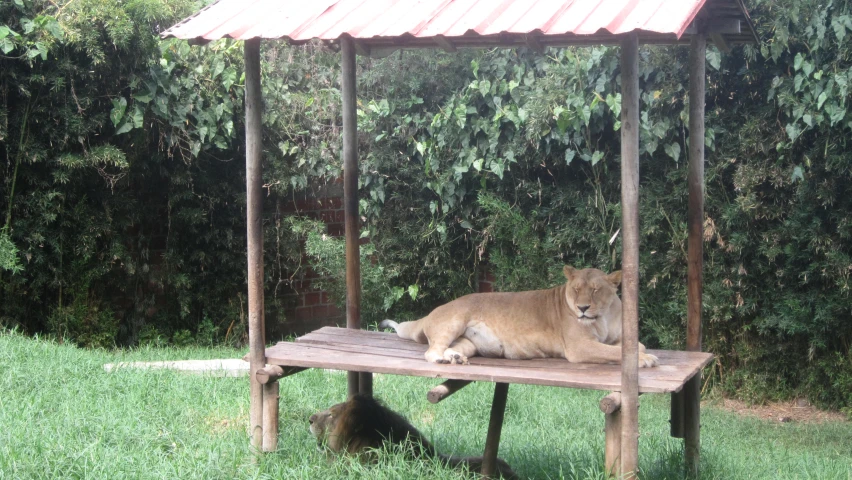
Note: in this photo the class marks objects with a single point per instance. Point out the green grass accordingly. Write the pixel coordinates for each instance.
(63, 416)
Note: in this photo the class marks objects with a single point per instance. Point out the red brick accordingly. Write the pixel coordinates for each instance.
(332, 203)
(485, 287)
(324, 298)
(304, 313)
(336, 229)
(325, 311)
(313, 298)
(340, 216)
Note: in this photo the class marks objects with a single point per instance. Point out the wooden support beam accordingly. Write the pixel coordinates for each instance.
(695, 248)
(724, 26)
(254, 231)
(270, 416)
(362, 49)
(350, 198)
(534, 43)
(495, 427)
(611, 407)
(445, 44)
(720, 42)
(272, 373)
(630, 255)
(446, 389)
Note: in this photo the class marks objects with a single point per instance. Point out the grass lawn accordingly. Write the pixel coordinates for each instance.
(63, 416)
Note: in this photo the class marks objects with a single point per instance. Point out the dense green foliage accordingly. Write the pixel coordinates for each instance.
(84, 422)
(123, 181)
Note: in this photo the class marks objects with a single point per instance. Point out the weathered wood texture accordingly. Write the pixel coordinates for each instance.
(272, 373)
(446, 389)
(630, 254)
(350, 200)
(254, 231)
(611, 406)
(495, 427)
(270, 416)
(380, 352)
(695, 242)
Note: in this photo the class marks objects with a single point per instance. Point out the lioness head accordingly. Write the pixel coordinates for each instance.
(589, 292)
(321, 423)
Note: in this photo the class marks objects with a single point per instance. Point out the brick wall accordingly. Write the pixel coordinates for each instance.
(306, 307)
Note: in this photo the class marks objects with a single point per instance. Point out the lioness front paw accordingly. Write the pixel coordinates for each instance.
(454, 357)
(648, 360)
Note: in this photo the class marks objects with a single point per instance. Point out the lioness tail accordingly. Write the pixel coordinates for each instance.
(389, 324)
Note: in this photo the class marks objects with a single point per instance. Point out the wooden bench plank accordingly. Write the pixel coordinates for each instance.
(673, 373)
(380, 352)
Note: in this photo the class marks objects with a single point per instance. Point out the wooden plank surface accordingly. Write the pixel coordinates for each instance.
(379, 352)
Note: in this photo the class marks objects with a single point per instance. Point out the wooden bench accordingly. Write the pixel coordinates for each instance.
(379, 352)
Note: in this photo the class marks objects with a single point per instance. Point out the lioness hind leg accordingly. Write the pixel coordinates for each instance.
(459, 351)
(441, 334)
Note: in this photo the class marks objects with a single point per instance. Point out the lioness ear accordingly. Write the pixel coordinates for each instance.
(568, 271)
(614, 278)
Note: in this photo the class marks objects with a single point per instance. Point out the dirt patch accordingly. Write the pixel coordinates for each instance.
(800, 411)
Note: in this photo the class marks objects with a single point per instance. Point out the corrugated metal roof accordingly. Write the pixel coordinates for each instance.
(456, 23)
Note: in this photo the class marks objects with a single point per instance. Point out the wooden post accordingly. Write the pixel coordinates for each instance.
(630, 254)
(254, 227)
(495, 427)
(350, 206)
(611, 407)
(270, 416)
(695, 242)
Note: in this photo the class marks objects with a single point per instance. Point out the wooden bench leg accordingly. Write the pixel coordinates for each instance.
(270, 416)
(495, 427)
(611, 407)
(365, 383)
(692, 424)
(676, 414)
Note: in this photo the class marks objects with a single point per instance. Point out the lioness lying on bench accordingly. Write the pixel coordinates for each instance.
(362, 424)
(579, 321)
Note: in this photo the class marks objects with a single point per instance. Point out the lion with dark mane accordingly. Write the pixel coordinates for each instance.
(362, 425)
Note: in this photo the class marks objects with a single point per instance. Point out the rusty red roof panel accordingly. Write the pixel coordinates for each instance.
(386, 21)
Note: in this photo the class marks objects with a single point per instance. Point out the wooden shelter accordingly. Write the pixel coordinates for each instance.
(378, 27)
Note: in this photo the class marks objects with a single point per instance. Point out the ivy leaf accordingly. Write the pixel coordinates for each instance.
(808, 119)
(792, 131)
(596, 157)
(798, 174)
(484, 87)
(498, 169)
(119, 105)
(587, 114)
(6, 45)
(673, 151)
(138, 116)
(412, 291)
(714, 58)
(839, 28)
(218, 66)
(229, 77)
(821, 99)
(797, 62)
(124, 128)
(569, 155)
